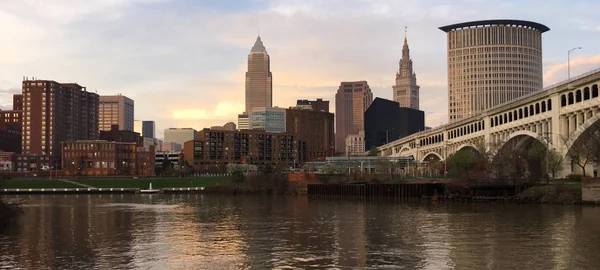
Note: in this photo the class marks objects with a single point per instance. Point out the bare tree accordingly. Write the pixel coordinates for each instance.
(585, 149)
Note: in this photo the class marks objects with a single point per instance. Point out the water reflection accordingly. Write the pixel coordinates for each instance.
(216, 232)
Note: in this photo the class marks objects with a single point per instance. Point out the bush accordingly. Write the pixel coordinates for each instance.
(574, 177)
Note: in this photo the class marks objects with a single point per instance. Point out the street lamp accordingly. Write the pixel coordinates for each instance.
(569, 62)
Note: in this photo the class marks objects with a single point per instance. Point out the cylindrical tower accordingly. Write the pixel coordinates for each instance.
(492, 62)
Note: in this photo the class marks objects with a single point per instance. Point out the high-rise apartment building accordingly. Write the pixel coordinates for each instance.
(314, 130)
(315, 105)
(406, 90)
(180, 135)
(351, 101)
(55, 112)
(490, 63)
(259, 81)
(116, 110)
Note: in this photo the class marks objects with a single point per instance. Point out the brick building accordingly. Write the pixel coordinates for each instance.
(56, 112)
(10, 126)
(315, 105)
(103, 158)
(314, 131)
(116, 135)
(214, 149)
(6, 161)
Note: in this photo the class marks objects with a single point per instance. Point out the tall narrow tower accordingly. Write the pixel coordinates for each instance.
(259, 81)
(406, 90)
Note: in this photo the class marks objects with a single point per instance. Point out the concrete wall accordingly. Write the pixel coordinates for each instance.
(590, 190)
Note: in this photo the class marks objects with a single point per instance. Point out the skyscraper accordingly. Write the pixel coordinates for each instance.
(146, 129)
(490, 63)
(116, 110)
(55, 112)
(259, 81)
(406, 90)
(351, 101)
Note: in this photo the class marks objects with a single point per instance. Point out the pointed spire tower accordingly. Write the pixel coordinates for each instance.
(406, 90)
(259, 81)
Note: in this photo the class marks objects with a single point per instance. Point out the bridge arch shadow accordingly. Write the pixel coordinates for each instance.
(589, 126)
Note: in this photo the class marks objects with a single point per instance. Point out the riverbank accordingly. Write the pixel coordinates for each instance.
(557, 193)
(118, 183)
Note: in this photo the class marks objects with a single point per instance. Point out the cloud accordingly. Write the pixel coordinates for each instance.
(183, 62)
(558, 72)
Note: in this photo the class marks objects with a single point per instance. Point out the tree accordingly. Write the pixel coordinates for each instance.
(166, 164)
(462, 163)
(268, 169)
(585, 149)
(555, 161)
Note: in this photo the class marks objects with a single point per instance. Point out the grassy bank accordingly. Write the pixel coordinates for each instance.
(35, 183)
(157, 183)
(561, 193)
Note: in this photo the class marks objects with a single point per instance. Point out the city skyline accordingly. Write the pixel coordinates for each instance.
(149, 50)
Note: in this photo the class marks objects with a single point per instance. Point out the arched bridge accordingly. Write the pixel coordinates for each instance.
(557, 115)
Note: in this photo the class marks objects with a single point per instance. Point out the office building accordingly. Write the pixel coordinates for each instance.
(147, 129)
(243, 122)
(103, 158)
(269, 119)
(355, 144)
(214, 149)
(406, 90)
(490, 63)
(116, 110)
(351, 101)
(314, 133)
(315, 105)
(169, 147)
(259, 80)
(386, 121)
(56, 112)
(180, 135)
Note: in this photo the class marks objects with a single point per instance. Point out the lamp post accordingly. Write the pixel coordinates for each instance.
(569, 62)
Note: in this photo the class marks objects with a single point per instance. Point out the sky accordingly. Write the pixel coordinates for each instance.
(183, 62)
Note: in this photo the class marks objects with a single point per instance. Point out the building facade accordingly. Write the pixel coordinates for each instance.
(179, 135)
(56, 112)
(351, 101)
(406, 90)
(228, 126)
(6, 161)
(18, 102)
(259, 80)
(116, 110)
(314, 132)
(243, 122)
(169, 147)
(355, 144)
(116, 135)
(10, 138)
(103, 158)
(146, 129)
(316, 105)
(386, 121)
(269, 119)
(490, 63)
(214, 149)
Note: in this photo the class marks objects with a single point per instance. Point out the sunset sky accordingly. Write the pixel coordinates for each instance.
(183, 61)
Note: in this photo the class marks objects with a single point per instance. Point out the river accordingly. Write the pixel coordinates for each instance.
(228, 232)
